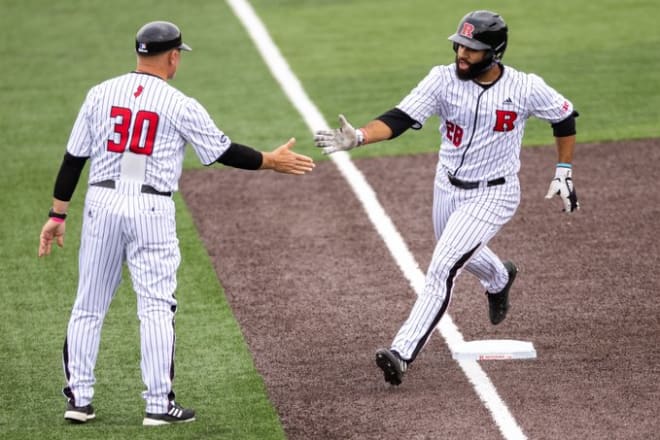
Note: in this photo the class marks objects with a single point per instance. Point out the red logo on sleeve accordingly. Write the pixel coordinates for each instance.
(468, 29)
(505, 120)
(565, 106)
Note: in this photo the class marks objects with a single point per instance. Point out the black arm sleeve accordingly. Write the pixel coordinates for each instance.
(67, 178)
(398, 121)
(565, 127)
(241, 156)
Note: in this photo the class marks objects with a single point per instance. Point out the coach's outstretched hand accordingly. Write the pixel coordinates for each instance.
(283, 160)
(52, 231)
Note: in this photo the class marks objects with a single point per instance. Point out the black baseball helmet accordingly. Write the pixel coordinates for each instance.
(157, 37)
(482, 30)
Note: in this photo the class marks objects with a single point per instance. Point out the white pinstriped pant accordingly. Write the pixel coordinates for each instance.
(123, 224)
(464, 221)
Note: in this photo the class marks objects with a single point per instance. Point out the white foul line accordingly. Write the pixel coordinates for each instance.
(381, 221)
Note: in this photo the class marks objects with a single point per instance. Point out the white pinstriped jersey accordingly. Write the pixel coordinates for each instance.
(135, 127)
(482, 128)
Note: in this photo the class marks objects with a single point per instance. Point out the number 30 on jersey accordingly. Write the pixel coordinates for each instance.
(142, 135)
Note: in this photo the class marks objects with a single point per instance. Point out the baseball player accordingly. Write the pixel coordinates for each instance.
(133, 129)
(483, 106)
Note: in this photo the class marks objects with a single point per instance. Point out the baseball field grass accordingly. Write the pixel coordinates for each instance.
(356, 57)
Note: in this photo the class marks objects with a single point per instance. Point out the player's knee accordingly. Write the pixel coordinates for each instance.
(150, 307)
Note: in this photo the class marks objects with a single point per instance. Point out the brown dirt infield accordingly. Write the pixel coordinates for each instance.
(316, 293)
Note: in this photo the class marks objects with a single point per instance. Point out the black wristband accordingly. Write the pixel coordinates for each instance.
(52, 214)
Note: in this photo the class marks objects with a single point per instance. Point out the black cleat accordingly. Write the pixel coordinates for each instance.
(392, 365)
(175, 414)
(78, 414)
(498, 303)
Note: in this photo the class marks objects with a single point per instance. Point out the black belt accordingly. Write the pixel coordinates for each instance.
(472, 185)
(146, 189)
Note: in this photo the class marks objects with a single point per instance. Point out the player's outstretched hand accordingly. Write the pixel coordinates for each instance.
(562, 186)
(52, 231)
(343, 138)
(283, 160)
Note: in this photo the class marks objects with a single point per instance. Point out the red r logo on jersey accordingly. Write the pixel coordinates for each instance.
(468, 29)
(505, 120)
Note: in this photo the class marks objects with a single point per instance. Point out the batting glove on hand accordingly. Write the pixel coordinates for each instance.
(343, 138)
(562, 186)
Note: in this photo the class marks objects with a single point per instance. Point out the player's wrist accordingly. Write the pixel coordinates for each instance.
(361, 136)
(268, 160)
(563, 170)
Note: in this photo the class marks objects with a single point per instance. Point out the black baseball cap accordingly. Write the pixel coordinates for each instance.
(159, 36)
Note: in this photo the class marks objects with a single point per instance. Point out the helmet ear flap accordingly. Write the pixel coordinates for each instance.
(498, 52)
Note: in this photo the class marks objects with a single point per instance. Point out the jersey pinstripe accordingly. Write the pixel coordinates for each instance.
(472, 148)
(180, 120)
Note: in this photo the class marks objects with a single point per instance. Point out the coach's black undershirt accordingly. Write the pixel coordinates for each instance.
(565, 127)
(68, 176)
(241, 156)
(398, 121)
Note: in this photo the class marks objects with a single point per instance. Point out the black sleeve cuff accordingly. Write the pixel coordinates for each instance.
(398, 121)
(68, 176)
(241, 156)
(565, 127)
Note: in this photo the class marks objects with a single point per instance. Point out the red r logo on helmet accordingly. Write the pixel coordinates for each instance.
(468, 29)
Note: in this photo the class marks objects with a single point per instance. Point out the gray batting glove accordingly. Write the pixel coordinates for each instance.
(562, 186)
(343, 138)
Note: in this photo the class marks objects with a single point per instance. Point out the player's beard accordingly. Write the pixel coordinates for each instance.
(474, 70)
